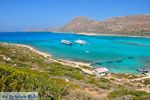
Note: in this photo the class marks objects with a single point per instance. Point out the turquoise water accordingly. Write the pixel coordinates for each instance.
(118, 54)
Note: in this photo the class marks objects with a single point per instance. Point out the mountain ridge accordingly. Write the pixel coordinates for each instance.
(135, 25)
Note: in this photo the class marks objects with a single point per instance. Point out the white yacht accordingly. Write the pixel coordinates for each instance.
(81, 42)
(66, 42)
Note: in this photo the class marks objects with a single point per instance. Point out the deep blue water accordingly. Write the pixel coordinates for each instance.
(118, 54)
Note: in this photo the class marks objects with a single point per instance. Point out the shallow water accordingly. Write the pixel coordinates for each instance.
(118, 54)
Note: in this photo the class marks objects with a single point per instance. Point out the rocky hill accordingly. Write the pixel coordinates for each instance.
(135, 25)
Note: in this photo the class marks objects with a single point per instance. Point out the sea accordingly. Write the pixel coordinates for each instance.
(119, 54)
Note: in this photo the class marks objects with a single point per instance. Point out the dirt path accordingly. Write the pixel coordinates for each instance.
(138, 79)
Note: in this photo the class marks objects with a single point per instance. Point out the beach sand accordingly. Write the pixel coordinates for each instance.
(64, 62)
(100, 34)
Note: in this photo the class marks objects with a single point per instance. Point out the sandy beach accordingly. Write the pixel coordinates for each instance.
(92, 34)
(33, 50)
(61, 61)
(80, 65)
(98, 34)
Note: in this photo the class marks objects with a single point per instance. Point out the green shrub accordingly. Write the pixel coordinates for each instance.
(62, 70)
(81, 95)
(27, 80)
(147, 81)
(101, 83)
(136, 94)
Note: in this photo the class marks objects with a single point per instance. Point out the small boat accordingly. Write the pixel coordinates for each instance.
(142, 70)
(81, 42)
(66, 42)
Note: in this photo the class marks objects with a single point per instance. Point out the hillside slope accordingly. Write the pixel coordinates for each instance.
(137, 25)
(21, 69)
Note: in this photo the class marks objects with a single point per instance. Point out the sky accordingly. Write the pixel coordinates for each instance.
(16, 15)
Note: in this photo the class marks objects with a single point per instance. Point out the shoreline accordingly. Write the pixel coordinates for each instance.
(118, 81)
(97, 34)
(61, 61)
(90, 34)
(85, 67)
(49, 55)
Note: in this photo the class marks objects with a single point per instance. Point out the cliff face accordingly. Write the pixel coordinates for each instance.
(138, 25)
